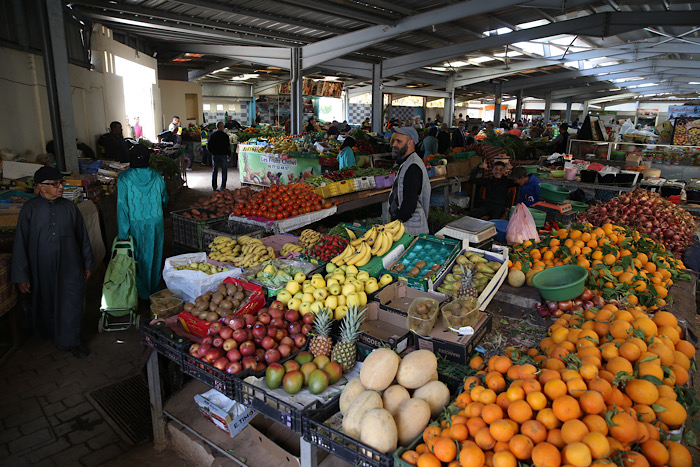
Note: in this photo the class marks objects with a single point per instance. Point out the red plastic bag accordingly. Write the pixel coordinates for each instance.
(521, 226)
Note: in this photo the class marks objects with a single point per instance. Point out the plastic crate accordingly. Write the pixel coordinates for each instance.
(384, 181)
(20, 194)
(336, 189)
(188, 231)
(155, 337)
(364, 183)
(564, 220)
(226, 384)
(228, 228)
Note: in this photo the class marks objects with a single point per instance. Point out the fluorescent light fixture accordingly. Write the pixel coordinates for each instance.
(623, 80)
(457, 64)
(694, 82)
(481, 59)
(497, 32)
(532, 24)
(436, 68)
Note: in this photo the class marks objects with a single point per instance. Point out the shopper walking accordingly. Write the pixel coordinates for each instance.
(141, 195)
(219, 146)
(51, 260)
(346, 155)
(459, 137)
(409, 200)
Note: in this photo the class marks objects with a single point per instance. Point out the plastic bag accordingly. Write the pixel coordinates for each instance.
(521, 226)
(193, 283)
(627, 127)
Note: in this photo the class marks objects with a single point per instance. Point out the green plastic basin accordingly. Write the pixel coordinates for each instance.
(578, 206)
(553, 193)
(560, 282)
(531, 169)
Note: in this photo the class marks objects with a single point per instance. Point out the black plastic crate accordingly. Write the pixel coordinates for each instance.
(188, 231)
(275, 408)
(563, 219)
(228, 385)
(162, 339)
(179, 249)
(338, 443)
(228, 228)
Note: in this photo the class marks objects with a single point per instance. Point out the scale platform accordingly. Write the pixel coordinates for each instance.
(471, 229)
(545, 206)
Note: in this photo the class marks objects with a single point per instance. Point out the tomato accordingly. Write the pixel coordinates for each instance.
(295, 212)
(280, 216)
(285, 213)
(327, 205)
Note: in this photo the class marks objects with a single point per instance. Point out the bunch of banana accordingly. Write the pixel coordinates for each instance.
(369, 237)
(377, 241)
(395, 229)
(382, 244)
(309, 238)
(224, 249)
(361, 256)
(253, 253)
(290, 248)
(347, 253)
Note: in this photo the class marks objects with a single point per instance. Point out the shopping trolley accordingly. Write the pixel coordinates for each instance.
(119, 306)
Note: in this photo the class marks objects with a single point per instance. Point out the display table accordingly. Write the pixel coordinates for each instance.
(590, 186)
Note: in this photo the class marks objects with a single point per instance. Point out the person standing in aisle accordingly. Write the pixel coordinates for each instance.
(346, 155)
(459, 137)
(219, 146)
(115, 146)
(409, 200)
(176, 129)
(141, 195)
(51, 260)
(443, 138)
(495, 200)
(430, 142)
(138, 129)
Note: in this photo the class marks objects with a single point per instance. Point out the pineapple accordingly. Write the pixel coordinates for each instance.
(345, 351)
(467, 288)
(321, 344)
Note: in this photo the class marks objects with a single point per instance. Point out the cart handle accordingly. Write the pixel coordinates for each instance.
(117, 243)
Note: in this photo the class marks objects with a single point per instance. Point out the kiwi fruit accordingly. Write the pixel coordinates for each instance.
(420, 264)
(413, 271)
(399, 267)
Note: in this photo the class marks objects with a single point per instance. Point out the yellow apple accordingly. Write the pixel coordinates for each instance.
(331, 281)
(363, 298)
(332, 302)
(308, 298)
(335, 289)
(300, 277)
(304, 308)
(284, 296)
(371, 286)
(298, 295)
(308, 288)
(316, 306)
(362, 276)
(359, 286)
(351, 270)
(318, 281)
(353, 299)
(294, 304)
(293, 287)
(342, 301)
(340, 312)
(320, 294)
(348, 289)
(386, 279)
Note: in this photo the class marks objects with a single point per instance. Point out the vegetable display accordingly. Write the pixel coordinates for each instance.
(281, 202)
(650, 214)
(223, 202)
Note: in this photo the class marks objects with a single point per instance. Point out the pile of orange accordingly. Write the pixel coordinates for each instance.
(599, 391)
(621, 262)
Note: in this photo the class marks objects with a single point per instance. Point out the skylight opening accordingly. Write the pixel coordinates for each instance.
(530, 47)
(623, 80)
(481, 59)
(532, 24)
(456, 64)
(497, 32)
(509, 54)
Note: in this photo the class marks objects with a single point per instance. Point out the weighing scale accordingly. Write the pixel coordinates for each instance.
(561, 208)
(475, 232)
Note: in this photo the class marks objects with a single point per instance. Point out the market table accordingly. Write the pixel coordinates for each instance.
(591, 186)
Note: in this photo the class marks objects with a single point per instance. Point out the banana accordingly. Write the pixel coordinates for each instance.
(365, 259)
(381, 239)
(341, 258)
(386, 245)
(357, 256)
(351, 234)
(399, 233)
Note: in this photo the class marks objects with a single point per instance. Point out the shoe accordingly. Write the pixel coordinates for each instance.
(80, 351)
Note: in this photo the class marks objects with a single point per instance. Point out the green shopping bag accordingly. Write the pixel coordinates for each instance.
(119, 287)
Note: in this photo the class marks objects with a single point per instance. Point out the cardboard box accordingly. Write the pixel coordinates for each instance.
(454, 347)
(231, 421)
(278, 441)
(398, 296)
(500, 254)
(385, 328)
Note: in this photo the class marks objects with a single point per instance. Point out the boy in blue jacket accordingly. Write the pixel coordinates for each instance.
(529, 186)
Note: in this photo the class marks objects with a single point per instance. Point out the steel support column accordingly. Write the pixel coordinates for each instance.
(449, 101)
(297, 97)
(389, 108)
(498, 91)
(346, 106)
(377, 98)
(55, 54)
(569, 104)
(547, 106)
(519, 105)
(585, 110)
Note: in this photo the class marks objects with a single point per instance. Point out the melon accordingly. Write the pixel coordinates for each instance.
(516, 278)
(379, 369)
(411, 419)
(416, 369)
(352, 421)
(436, 394)
(393, 397)
(351, 390)
(379, 430)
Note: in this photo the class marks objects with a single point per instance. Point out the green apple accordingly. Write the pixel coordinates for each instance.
(351, 270)
(293, 287)
(386, 279)
(331, 302)
(300, 277)
(340, 312)
(320, 294)
(330, 267)
(305, 308)
(294, 304)
(284, 296)
(335, 289)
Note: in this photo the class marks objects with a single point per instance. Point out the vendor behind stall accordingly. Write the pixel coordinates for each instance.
(529, 186)
(346, 156)
(409, 200)
(495, 197)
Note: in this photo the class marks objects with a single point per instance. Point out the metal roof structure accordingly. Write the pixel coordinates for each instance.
(595, 51)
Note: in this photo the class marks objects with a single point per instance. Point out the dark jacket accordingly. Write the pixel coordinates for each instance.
(443, 138)
(458, 141)
(219, 144)
(496, 188)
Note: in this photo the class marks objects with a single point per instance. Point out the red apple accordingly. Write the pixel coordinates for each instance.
(291, 315)
(260, 366)
(230, 344)
(272, 356)
(276, 313)
(234, 355)
(218, 342)
(215, 327)
(234, 367)
(260, 331)
(280, 334)
(306, 329)
(249, 320)
(258, 341)
(271, 331)
(226, 332)
(248, 363)
(207, 339)
(203, 349)
(194, 350)
(240, 335)
(267, 342)
(278, 323)
(236, 322)
(259, 354)
(221, 363)
(308, 318)
(247, 348)
(299, 340)
(264, 318)
(212, 355)
(294, 328)
(284, 350)
(277, 305)
(288, 341)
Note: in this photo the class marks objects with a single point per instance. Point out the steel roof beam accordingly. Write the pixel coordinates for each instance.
(603, 24)
(343, 11)
(323, 50)
(269, 56)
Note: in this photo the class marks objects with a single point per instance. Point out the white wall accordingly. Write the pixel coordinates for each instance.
(172, 95)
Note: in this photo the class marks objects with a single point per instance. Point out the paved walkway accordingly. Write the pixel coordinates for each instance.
(45, 416)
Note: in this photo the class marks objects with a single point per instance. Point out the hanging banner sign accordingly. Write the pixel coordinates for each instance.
(312, 87)
(259, 168)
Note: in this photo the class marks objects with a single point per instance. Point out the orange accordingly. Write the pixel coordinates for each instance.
(487, 396)
(475, 424)
(686, 348)
(555, 388)
(680, 373)
(504, 459)
(596, 423)
(546, 455)
(645, 325)
(588, 371)
(573, 431)
(502, 364)
(521, 446)
(577, 454)
(534, 430)
(491, 413)
(630, 351)
(592, 402)
(515, 393)
(471, 455)
(651, 368)
(618, 365)
(459, 432)
(566, 408)
(554, 437)
(484, 440)
(642, 391)
(411, 457)
(679, 456)
(527, 371)
(519, 411)
(531, 385)
(427, 459)
(665, 318)
(445, 449)
(680, 359)
(645, 413)
(620, 329)
(656, 453)
(477, 362)
(576, 387)
(503, 430)
(665, 354)
(600, 385)
(537, 400)
(597, 443)
(634, 459)
(548, 419)
(675, 414)
(624, 428)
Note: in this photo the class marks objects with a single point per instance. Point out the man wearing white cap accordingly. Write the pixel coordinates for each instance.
(409, 200)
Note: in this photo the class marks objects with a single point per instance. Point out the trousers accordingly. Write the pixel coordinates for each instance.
(219, 162)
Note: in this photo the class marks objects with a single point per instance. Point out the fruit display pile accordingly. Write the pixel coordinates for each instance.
(202, 266)
(308, 238)
(621, 261)
(326, 248)
(282, 201)
(377, 241)
(470, 275)
(650, 214)
(243, 252)
(253, 341)
(225, 301)
(606, 387)
(341, 288)
(224, 202)
(378, 408)
(338, 175)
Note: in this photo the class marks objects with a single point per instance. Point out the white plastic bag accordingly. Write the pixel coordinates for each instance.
(627, 127)
(193, 283)
(521, 226)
